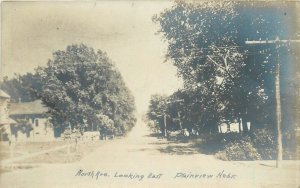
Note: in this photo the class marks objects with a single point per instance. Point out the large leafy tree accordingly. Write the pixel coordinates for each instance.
(225, 79)
(199, 37)
(81, 85)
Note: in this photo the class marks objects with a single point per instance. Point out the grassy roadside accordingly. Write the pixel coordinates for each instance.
(75, 153)
(65, 155)
(211, 144)
(23, 148)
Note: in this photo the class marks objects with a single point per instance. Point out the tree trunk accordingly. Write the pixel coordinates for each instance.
(214, 127)
(165, 125)
(180, 124)
(253, 125)
(278, 112)
(240, 128)
(245, 127)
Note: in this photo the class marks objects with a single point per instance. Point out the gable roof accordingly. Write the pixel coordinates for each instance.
(4, 95)
(8, 121)
(28, 108)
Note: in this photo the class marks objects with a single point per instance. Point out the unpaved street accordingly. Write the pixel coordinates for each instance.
(140, 160)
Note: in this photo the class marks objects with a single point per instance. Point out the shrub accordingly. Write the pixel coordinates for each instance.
(239, 150)
(215, 142)
(265, 142)
(254, 145)
(289, 144)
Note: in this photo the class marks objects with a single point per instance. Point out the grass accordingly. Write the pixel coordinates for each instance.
(63, 156)
(23, 148)
(208, 144)
(55, 157)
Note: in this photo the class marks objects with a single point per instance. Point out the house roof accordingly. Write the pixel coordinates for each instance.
(7, 122)
(28, 108)
(3, 94)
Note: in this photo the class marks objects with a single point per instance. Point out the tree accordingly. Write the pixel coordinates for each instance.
(196, 46)
(79, 84)
(22, 87)
(157, 111)
(227, 80)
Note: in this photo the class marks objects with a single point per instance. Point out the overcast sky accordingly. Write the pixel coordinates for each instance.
(32, 31)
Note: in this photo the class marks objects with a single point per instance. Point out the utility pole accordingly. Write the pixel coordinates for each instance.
(277, 42)
(278, 109)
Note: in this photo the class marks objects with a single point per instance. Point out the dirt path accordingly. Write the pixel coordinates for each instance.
(140, 160)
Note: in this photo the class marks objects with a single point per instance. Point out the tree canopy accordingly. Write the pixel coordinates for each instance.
(82, 88)
(224, 79)
(22, 87)
(80, 84)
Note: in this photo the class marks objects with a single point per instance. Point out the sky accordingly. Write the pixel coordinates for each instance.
(32, 31)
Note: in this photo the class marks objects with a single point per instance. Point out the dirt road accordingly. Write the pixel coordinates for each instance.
(140, 160)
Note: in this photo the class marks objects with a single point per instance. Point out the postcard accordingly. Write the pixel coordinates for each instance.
(136, 93)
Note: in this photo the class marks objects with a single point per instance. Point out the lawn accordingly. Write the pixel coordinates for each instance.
(65, 155)
(23, 148)
(74, 154)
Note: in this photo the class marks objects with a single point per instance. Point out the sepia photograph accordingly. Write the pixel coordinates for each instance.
(140, 93)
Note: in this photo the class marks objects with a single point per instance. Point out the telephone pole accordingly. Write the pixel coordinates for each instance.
(277, 42)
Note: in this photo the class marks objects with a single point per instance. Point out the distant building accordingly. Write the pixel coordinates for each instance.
(5, 121)
(232, 127)
(33, 121)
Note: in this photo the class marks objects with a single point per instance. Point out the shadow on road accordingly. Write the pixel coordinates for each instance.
(157, 135)
(178, 150)
(174, 145)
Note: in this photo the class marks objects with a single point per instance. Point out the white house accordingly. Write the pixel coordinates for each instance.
(33, 121)
(5, 121)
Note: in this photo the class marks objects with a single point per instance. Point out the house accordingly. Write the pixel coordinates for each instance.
(5, 121)
(232, 127)
(33, 121)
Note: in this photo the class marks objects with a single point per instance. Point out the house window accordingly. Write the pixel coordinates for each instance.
(36, 122)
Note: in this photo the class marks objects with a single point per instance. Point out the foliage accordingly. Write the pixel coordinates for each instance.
(224, 80)
(157, 110)
(264, 141)
(169, 106)
(235, 146)
(79, 84)
(260, 141)
(82, 88)
(239, 150)
(22, 87)
(106, 124)
(193, 32)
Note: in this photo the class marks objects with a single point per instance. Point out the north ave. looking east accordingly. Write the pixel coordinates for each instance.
(140, 177)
